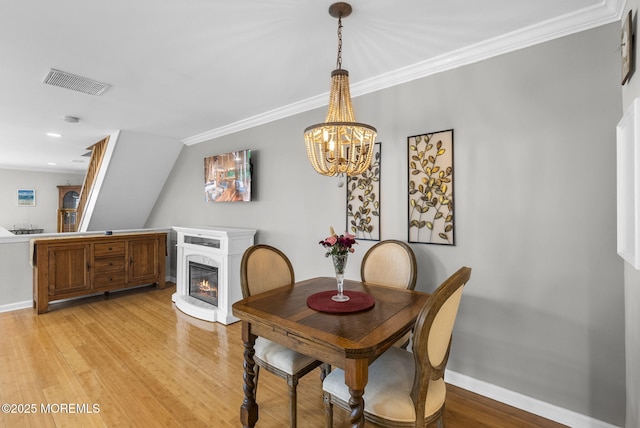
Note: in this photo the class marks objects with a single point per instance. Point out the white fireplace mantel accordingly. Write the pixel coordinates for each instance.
(221, 247)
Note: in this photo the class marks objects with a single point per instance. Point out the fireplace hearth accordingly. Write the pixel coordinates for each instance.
(208, 271)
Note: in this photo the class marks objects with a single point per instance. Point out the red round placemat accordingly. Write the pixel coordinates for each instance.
(358, 301)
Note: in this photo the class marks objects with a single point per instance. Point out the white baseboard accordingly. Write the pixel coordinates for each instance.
(17, 305)
(528, 404)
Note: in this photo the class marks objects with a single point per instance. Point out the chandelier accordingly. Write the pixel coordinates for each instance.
(340, 145)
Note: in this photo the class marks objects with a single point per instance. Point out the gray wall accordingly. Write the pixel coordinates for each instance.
(15, 271)
(632, 344)
(630, 91)
(15, 274)
(535, 211)
(44, 214)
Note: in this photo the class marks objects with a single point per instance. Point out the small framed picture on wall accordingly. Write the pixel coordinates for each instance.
(26, 198)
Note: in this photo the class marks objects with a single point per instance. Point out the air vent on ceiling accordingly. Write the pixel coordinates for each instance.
(75, 83)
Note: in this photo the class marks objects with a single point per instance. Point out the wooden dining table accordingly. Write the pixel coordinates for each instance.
(350, 341)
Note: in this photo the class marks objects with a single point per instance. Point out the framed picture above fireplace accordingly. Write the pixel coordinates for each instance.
(227, 177)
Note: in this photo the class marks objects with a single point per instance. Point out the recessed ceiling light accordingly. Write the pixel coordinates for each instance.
(54, 134)
(51, 163)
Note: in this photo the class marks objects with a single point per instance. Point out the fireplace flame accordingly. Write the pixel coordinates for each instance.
(204, 285)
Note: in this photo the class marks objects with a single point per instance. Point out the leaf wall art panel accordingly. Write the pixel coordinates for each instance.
(363, 201)
(430, 186)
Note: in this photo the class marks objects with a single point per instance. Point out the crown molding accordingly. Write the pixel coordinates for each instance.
(605, 12)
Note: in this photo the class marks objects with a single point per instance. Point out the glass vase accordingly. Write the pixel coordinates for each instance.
(340, 263)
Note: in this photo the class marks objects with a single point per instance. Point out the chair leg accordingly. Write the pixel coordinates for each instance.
(255, 380)
(325, 369)
(328, 410)
(441, 423)
(293, 400)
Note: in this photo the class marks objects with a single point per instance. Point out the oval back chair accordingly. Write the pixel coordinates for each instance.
(407, 389)
(264, 268)
(391, 263)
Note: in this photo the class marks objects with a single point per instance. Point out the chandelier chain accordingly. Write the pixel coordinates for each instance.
(339, 61)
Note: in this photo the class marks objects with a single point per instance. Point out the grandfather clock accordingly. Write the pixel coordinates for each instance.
(68, 197)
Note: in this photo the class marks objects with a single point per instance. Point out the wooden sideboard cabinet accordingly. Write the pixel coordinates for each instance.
(74, 266)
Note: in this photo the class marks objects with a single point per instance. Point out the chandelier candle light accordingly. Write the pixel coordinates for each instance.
(340, 145)
(339, 247)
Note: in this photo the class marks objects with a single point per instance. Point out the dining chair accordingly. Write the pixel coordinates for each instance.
(407, 389)
(264, 268)
(391, 263)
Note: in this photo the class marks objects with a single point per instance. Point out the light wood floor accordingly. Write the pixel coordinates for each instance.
(134, 360)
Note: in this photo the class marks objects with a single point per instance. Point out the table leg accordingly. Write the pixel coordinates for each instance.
(356, 375)
(249, 408)
(356, 403)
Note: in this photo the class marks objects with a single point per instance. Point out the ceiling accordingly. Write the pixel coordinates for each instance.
(194, 70)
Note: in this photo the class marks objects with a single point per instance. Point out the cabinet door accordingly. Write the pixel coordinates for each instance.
(143, 261)
(69, 269)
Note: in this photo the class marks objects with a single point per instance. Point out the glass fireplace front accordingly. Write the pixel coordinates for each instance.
(203, 282)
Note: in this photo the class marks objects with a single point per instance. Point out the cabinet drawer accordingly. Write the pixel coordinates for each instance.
(108, 280)
(109, 264)
(106, 249)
